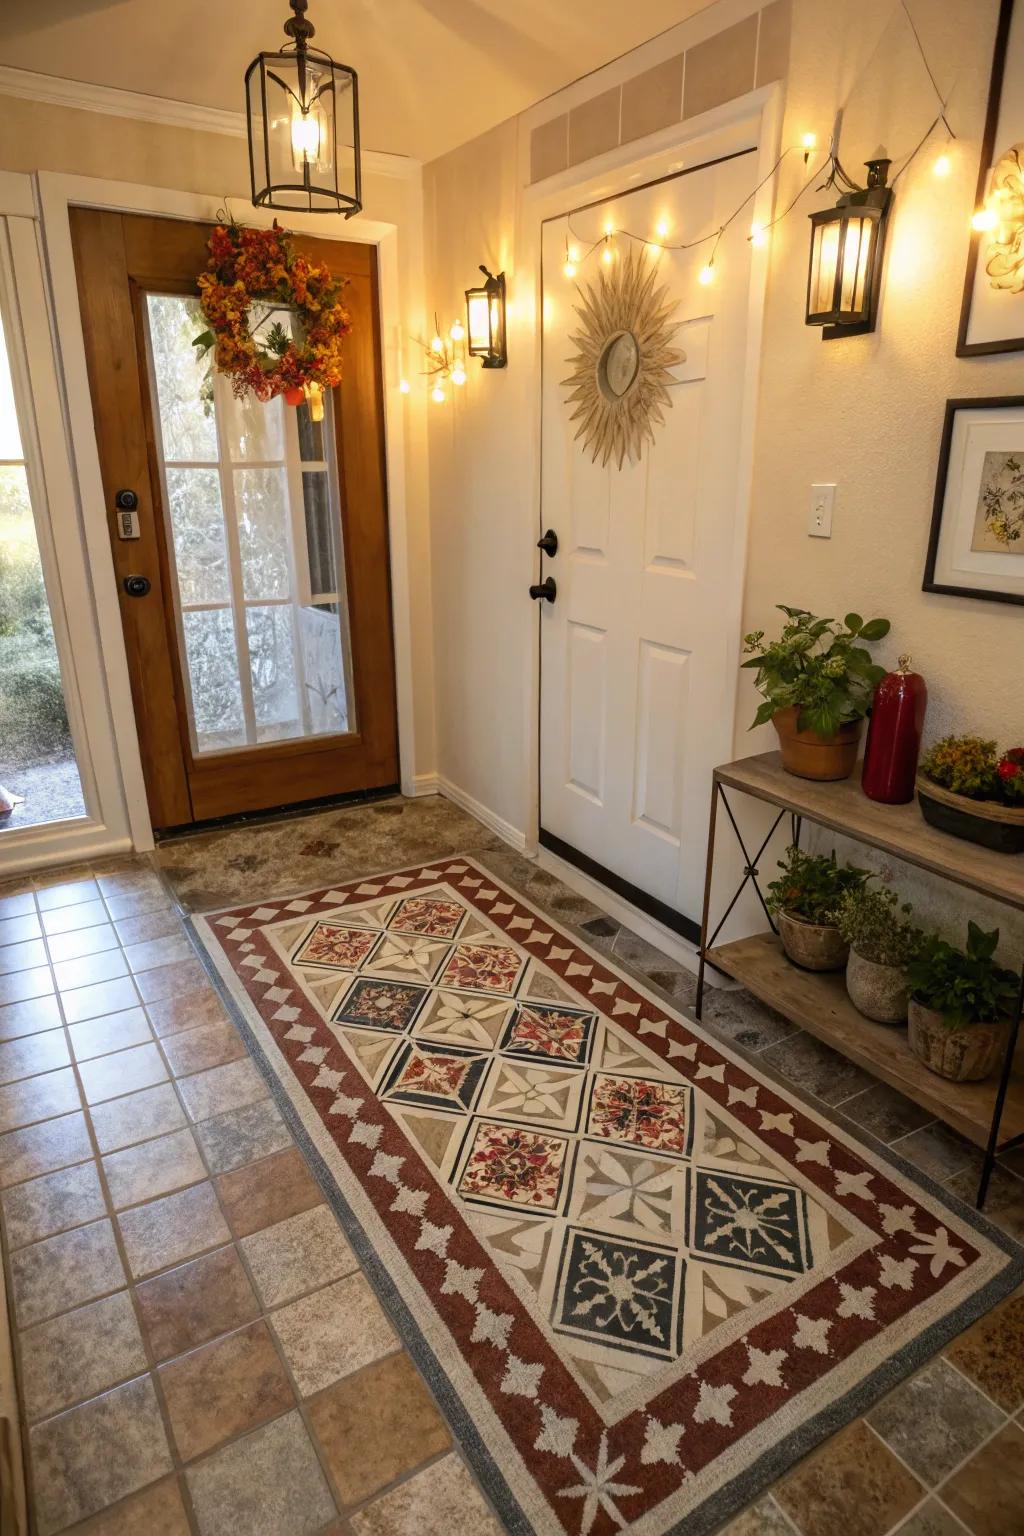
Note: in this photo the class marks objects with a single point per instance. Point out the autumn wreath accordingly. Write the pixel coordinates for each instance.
(250, 275)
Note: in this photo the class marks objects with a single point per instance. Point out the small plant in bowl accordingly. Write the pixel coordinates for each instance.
(961, 1005)
(818, 680)
(873, 922)
(803, 898)
(967, 788)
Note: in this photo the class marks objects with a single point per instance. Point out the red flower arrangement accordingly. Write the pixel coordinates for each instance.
(260, 267)
(1010, 769)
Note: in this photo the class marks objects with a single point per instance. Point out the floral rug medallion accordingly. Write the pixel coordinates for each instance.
(642, 1278)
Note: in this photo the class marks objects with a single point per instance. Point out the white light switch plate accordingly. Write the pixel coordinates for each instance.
(819, 524)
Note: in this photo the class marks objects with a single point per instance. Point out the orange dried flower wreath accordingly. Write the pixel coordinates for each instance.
(260, 267)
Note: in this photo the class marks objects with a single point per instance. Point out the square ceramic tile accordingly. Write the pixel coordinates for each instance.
(170, 980)
(108, 1077)
(88, 970)
(224, 1388)
(197, 1050)
(17, 957)
(134, 903)
(167, 950)
(121, 1122)
(153, 1168)
(105, 997)
(306, 1251)
(16, 904)
(158, 1510)
(186, 1306)
(935, 1420)
(38, 1098)
(81, 941)
(110, 1032)
(66, 893)
(442, 1500)
(221, 1089)
(81, 914)
(33, 1054)
(171, 1229)
(266, 1192)
(377, 1426)
(148, 925)
(185, 1010)
(21, 986)
(333, 1332)
(65, 1271)
(80, 1354)
(29, 1017)
(40, 1148)
(988, 1492)
(53, 1203)
(92, 1456)
(265, 1484)
(16, 930)
(243, 1135)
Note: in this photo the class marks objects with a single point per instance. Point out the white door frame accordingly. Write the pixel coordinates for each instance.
(751, 121)
(57, 193)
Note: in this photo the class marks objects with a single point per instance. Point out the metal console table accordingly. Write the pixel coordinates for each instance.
(990, 1113)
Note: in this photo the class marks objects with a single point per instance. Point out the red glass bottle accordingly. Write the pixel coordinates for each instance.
(894, 736)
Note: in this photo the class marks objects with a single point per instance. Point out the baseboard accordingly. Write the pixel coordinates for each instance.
(422, 784)
(505, 830)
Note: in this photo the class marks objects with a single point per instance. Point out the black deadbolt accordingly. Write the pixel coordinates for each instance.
(137, 586)
(549, 543)
(126, 501)
(545, 589)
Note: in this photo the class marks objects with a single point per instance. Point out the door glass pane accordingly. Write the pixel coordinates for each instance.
(197, 527)
(213, 675)
(37, 759)
(253, 512)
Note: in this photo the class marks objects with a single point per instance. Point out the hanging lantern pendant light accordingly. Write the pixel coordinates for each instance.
(302, 112)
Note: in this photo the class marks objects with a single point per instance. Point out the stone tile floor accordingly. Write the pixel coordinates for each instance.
(198, 1350)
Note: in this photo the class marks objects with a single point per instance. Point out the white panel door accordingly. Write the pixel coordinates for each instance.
(637, 680)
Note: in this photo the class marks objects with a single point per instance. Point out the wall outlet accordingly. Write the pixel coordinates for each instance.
(819, 524)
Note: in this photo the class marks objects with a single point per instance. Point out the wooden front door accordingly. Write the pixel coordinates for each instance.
(255, 598)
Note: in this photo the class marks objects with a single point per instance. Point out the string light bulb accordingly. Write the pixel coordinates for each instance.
(404, 386)
(458, 331)
(609, 228)
(458, 374)
(706, 275)
(437, 394)
(569, 269)
(984, 219)
(809, 142)
(607, 255)
(436, 344)
(942, 165)
(758, 235)
(661, 229)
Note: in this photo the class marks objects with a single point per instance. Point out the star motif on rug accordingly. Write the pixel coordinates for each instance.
(598, 1489)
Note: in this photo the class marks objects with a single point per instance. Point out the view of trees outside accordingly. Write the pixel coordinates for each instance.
(37, 759)
(294, 661)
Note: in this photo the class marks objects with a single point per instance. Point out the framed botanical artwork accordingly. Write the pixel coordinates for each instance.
(992, 312)
(976, 545)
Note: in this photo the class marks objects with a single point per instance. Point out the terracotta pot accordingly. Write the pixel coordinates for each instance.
(961, 1055)
(879, 992)
(811, 756)
(1000, 827)
(812, 946)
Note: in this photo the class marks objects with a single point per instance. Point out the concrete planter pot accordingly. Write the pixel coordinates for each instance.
(812, 946)
(961, 1055)
(811, 756)
(879, 992)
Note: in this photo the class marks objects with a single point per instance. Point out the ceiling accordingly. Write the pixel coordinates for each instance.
(432, 73)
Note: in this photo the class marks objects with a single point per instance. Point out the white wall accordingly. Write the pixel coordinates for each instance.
(864, 412)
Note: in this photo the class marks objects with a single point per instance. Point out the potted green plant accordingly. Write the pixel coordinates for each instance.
(965, 787)
(961, 1006)
(818, 681)
(803, 899)
(873, 922)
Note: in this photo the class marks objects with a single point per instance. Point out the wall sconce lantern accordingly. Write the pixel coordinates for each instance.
(847, 245)
(485, 320)
(302, 112)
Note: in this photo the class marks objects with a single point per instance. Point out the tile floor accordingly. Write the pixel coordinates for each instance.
(198, 1350)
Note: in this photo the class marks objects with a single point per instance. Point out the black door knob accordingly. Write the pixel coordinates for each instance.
(126, 501)
(549, 543)
(137, 586)
(545, 589)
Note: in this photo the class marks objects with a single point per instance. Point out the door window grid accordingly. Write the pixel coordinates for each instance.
(267, 634)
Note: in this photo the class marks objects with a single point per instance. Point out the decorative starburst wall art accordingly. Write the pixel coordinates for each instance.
(621, 373)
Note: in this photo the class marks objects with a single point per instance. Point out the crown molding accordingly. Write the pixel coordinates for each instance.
(27, 85)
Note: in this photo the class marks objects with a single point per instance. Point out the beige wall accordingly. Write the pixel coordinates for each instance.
(35, 136)
(864, 412)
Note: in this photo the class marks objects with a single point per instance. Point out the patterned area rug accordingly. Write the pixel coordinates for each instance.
(642, 1279)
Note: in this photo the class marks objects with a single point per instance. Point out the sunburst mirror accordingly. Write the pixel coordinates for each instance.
(621, 372)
